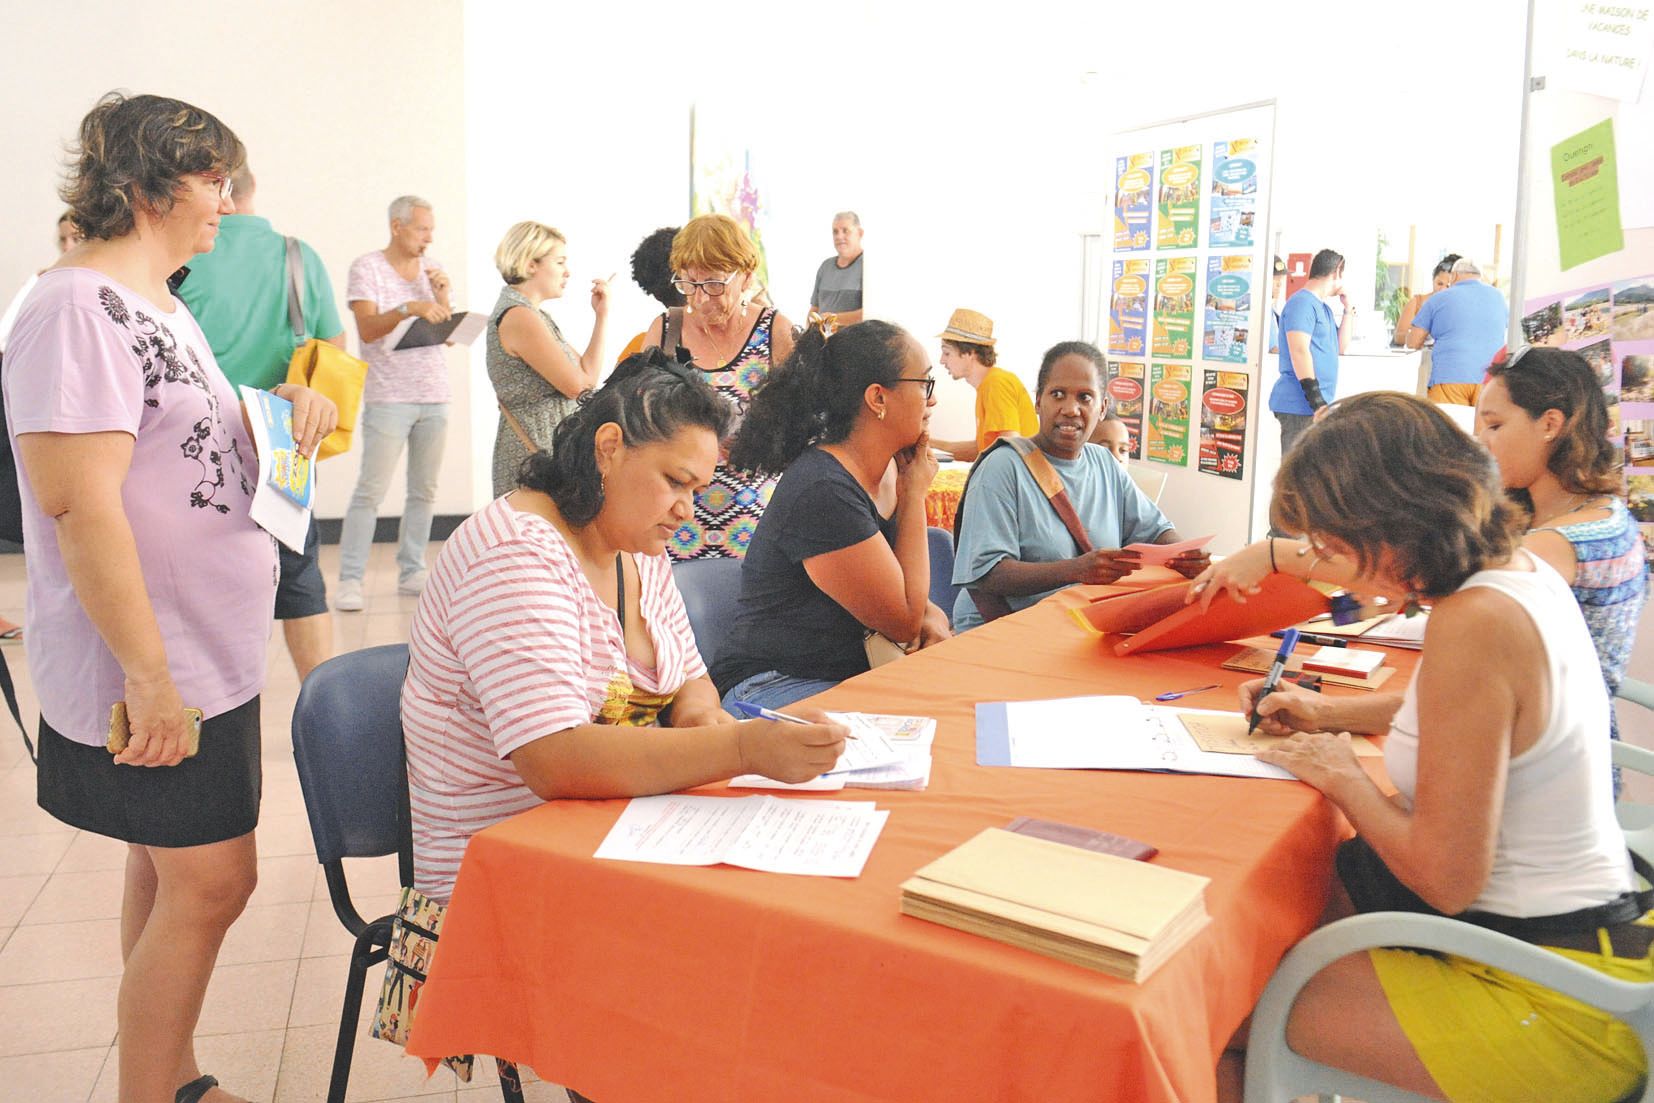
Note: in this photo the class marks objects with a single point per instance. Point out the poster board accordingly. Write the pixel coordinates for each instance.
(1183, 307)
(1571, 288)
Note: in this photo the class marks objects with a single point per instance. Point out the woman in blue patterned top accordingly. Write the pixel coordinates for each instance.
(1543, 416)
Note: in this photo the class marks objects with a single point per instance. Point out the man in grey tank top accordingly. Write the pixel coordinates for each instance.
(838, 281)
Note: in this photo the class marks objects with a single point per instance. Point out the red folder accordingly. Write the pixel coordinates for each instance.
(1160, 619)
(1280, 602)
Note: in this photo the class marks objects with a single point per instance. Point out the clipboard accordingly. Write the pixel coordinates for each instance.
(422, 334)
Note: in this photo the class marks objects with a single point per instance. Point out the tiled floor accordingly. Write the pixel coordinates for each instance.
(272, 1010)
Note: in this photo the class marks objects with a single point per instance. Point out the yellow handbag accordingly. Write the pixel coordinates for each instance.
(325, 368)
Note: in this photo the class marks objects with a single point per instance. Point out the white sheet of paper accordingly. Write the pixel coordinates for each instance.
(1115, 733)
(273, 511)
(1153, 555)
(826, 783)
(469, 329)
(821, 838)
(868, 750)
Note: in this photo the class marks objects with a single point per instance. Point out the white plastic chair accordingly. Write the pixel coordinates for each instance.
(1151, 483)
(1275, 1074)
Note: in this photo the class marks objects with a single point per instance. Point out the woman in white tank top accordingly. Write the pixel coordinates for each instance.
(1504, 815)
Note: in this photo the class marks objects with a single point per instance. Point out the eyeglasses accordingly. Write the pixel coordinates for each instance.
(713, 288)
(928, 380)
(225, 187)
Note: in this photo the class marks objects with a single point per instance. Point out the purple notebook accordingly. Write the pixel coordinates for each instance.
(1085, 838)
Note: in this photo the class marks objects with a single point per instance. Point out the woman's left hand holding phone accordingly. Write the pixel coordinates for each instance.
(155, 713)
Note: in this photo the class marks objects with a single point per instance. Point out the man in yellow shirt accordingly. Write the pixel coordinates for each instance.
(1002, 402)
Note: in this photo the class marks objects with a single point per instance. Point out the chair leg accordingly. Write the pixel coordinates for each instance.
(369, 949)
(511, 1081)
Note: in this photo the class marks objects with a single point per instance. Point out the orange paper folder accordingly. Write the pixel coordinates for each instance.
(1131, 612)
(1280, 602)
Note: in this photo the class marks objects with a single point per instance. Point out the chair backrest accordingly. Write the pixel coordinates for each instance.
(1151, 483)
(711, 590)
(942, 590)
(347, 743)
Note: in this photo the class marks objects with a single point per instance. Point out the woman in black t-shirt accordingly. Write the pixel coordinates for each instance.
(841, 551)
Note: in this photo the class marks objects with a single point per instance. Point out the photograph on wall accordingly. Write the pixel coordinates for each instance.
(721, 177)
(1634, 367)
(1228, 308)
(1587, 315)
(1177, 222)
(1174, 306)
(1542, 322)
(1133, 201)
(1234, 193)
(1166, 434)
(1128, 308)
(1223, 402)
(1634, 309)
(1639, 446)
(1125, 400)
(1640, 501)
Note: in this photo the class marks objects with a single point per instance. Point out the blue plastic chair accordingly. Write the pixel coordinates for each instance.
(942, 590)
(711, 589)
(347, 743)
(1274, 1073)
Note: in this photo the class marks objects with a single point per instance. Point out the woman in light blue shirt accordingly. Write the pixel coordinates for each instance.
(1012, 544)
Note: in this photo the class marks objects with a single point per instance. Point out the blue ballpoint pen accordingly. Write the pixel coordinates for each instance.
(1175, 694)
(1272, 680)
(759, 712)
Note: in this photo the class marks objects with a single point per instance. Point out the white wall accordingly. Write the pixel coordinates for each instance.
(342, 107)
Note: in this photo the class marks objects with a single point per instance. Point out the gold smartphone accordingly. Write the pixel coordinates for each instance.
(120, 730)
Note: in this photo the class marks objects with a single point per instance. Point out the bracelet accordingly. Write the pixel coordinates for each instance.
(1272, 568)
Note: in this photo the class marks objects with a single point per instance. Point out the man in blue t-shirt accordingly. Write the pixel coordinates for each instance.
(1310, 343)
(1468, 319)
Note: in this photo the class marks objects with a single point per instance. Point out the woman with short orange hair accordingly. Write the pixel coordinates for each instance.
(733, 341)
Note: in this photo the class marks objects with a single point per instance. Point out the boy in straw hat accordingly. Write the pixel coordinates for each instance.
(1002, 402)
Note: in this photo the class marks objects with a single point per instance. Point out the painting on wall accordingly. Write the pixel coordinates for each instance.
(721, 175)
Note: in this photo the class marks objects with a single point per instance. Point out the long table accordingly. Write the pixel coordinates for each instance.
(635, 982)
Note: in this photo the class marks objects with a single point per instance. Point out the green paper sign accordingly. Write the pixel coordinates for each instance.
(1586, 179)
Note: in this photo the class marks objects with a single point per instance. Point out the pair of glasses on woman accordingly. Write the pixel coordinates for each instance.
(713, 288)
(928, 380)
(222, 183)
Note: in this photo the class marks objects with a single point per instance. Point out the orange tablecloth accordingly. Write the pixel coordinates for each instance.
(942, 500)
(635, 982)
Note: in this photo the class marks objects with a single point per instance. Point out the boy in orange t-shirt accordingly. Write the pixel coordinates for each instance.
(1002, 402)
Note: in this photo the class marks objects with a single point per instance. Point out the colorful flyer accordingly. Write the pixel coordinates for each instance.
(1585, 182)
(1234, 193)
(1228, 308)
(1223, 424)
(1174, 306)
(1128, 308)
(1178, 223)
(1166, 437)
(1133, 201)
(1125, 398)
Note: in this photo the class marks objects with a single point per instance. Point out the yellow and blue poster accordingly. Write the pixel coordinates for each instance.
(1174, 306)
(1234, 194)
(1125, 401)
(1128, 308)
(1178, 222)
(1228, 308)
(1133, 201)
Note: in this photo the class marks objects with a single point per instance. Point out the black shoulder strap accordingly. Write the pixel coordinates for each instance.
(10, 691)
(671, 334)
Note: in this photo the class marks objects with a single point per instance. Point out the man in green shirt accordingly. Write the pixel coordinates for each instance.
(238, 294)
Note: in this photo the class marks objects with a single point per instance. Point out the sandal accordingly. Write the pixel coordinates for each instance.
(195, 1089)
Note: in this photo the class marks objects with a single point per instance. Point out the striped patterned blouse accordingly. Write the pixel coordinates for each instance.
(511, 643)
(1610, 584)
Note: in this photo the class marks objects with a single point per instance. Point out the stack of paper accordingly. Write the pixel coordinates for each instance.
(1104, 912)
(889, 752)
(826, 838)
(1398, 631)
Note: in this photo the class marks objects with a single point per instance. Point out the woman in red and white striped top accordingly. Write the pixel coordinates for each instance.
(551, 655)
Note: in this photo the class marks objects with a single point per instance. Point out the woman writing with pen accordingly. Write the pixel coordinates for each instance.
(1505, 812)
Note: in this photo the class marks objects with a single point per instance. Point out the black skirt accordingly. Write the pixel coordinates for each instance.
(206, 799)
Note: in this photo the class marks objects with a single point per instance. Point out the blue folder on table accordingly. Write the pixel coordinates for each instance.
(993, 734)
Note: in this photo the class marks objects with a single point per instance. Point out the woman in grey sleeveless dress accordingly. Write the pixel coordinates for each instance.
(536, 373)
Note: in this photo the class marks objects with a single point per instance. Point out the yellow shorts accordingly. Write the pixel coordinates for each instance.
(1456, 394)
(1487, 1035)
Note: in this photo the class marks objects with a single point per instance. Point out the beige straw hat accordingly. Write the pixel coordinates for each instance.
(970, 327)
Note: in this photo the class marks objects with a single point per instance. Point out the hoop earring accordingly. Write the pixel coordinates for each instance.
(881, 413)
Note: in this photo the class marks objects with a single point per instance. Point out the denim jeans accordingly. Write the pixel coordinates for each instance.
(384, 428)
(774, 690)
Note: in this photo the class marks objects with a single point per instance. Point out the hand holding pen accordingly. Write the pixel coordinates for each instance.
(1272, 680)
(785, 747)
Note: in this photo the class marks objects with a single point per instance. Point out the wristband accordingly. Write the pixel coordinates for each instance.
(1272, 568)
(1312, 393)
